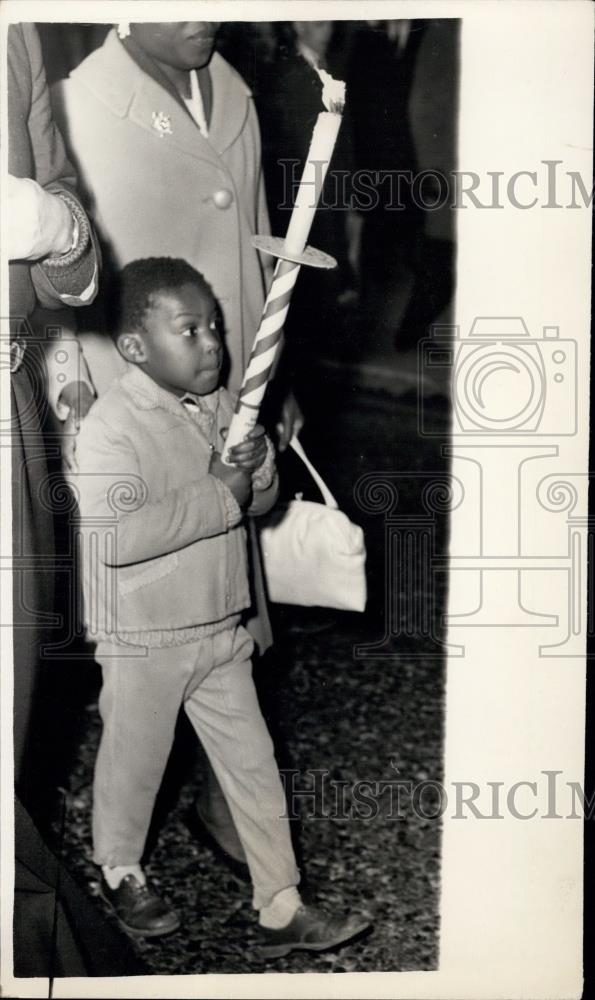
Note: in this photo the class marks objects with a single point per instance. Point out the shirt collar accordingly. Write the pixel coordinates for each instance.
(207, 402)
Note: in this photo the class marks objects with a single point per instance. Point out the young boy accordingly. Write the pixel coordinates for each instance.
(165, 584)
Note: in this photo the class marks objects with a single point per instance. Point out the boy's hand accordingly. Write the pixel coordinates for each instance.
(237, 480)
(249, 455)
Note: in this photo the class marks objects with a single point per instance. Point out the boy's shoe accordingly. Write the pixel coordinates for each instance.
(310, 929)
(139, 909)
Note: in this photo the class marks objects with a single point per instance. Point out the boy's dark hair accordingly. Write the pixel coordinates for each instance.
(141, 280)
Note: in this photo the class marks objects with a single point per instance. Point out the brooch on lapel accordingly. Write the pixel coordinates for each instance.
(161, 123)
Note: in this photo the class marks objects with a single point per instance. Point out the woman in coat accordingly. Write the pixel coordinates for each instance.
(159, 182)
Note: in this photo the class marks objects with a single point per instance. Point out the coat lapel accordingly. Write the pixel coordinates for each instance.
(116, 79)
(231, 104)
(151, 104)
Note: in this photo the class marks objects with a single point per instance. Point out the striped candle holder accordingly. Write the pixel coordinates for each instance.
(269, 334)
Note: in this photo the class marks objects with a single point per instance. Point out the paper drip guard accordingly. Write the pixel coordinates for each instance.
(312, 257)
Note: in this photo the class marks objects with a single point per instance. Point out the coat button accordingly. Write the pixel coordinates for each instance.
(223, 198)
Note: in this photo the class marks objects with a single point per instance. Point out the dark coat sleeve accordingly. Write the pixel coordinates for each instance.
(36, 150)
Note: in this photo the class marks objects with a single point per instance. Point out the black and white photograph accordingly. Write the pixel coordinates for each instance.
(295, 401)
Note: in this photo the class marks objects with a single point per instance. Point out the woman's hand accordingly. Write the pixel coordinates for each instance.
(79, 399)
(291, 422)
(250, 453)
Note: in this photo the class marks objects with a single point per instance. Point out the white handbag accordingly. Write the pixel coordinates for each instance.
(313, 554)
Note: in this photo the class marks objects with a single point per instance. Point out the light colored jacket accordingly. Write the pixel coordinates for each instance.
(152, 179)
(163, 545)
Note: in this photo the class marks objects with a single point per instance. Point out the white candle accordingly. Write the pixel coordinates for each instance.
(323, 141)
(268, 337)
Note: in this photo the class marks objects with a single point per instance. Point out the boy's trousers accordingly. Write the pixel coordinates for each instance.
(139, 705)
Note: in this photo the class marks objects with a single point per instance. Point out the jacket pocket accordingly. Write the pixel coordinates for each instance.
(131, 579)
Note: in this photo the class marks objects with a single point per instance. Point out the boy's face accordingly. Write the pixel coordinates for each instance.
(180, 344)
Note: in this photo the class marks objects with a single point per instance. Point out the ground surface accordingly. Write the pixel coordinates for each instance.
(356, 719)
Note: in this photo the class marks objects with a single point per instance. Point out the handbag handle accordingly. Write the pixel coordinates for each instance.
(327, 496)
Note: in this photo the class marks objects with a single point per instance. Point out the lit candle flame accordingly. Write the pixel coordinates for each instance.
(333, 92)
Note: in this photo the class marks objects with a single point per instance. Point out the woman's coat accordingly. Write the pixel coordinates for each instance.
(157, 187)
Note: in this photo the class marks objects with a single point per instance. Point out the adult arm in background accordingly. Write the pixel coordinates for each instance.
(53, 250)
